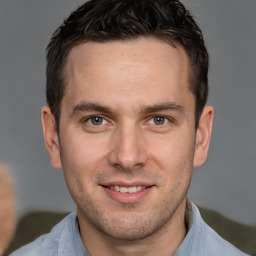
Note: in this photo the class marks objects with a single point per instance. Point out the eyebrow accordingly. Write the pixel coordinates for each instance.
(87, 107)
(163, 107)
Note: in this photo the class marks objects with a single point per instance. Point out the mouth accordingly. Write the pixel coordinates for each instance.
(127, 194)
(122, 189)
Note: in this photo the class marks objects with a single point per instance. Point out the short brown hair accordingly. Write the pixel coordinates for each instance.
(109, 20)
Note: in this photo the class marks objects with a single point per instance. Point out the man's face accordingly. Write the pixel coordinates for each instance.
(127, 139)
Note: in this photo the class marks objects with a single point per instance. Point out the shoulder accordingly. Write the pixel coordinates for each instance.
(49, 244)
(205, 241)
(216, 245)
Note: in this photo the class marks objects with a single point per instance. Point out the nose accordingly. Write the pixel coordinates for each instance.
(128, 150)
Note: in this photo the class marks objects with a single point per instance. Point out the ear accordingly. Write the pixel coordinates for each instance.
(51, 137)
(203, 136)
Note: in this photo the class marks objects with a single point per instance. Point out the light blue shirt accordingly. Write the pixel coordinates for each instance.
(65, 240)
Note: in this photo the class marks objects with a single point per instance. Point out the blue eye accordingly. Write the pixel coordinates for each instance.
(158, 120)
(96, 120)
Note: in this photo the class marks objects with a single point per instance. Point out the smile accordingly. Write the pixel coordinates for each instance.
(132, 189)
(127, 194)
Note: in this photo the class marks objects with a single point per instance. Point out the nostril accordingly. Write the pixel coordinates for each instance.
(127, 151)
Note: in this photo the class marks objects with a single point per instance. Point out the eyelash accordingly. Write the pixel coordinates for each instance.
(167, 119)
(94, 116)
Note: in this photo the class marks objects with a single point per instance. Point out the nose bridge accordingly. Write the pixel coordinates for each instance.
(128, 151)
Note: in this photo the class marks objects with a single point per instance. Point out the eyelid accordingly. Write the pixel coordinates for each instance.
(168, 118)
(86, 119)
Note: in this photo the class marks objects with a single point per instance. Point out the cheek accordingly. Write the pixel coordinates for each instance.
(82, 157)
(174, 151)
(84, 152)
(79, 164)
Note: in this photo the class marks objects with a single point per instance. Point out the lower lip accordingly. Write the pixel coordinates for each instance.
(127, 197)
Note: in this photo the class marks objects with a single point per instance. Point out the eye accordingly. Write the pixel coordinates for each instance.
(96, 120)
(158, 120)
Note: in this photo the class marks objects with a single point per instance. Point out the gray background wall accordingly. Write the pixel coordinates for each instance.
(225, 183)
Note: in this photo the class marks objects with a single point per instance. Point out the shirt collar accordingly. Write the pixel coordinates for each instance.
(194, 225)
(191, 220)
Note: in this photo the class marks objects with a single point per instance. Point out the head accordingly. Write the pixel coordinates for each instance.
(126, 87)
(113, 20)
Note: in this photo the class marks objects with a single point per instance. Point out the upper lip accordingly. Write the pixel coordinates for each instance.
(127, 184)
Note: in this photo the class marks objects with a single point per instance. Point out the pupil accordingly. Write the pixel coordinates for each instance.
(97, 120)
(159, 120)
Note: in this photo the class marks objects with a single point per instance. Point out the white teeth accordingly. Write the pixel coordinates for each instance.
(138, 188)
(133, 189)
(123, 190)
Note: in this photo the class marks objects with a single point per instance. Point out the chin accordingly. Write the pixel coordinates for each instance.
(131, 227)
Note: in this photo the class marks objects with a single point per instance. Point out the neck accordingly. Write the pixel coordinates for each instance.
(163, 242)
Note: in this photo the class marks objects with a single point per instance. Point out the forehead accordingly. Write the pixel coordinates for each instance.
(143, 50)
(127, 69)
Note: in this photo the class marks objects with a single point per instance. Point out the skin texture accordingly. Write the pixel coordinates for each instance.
(143, 134)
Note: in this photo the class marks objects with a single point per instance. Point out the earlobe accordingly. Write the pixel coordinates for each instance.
(51, 137)
(203, 136)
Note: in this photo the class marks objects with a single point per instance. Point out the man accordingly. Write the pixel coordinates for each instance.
(126, 121)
